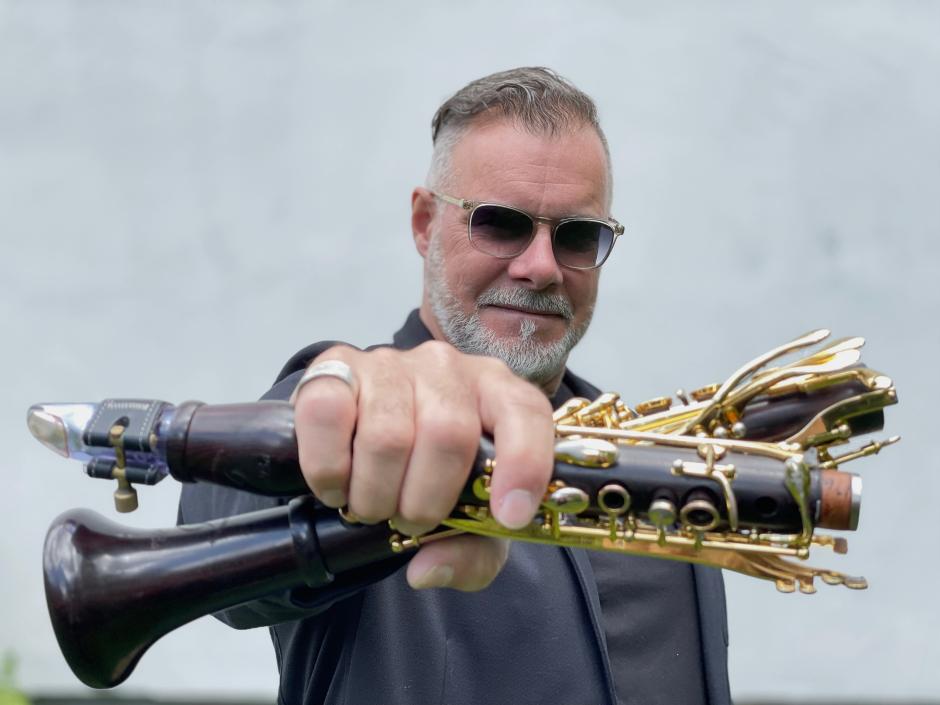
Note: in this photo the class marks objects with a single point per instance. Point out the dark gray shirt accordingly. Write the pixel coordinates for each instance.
(649, 611)
(536, 635)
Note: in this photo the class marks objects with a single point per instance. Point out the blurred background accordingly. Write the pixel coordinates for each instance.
(190, 191)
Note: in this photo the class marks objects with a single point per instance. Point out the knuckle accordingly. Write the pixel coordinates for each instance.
(420, 515)
(385, 357)
(372, 510)
(528, 402)
(370, 498)
(387, 409)
(436, 354)
(529, 396)
(321, 476)
(450, 429)
(341, 351)
(495, 366)
(437, 348)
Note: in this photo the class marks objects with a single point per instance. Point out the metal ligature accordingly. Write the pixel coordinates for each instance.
(740, 475)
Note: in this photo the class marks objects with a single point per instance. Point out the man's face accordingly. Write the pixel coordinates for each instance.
(527, 310)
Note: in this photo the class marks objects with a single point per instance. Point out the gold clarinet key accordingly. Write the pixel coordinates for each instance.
(662, 513)
(653, 406)
(587, 452)
(704, 393)
(567, 500)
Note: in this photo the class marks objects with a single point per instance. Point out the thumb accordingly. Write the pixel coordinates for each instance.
(467, 563)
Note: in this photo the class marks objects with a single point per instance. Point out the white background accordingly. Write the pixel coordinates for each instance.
(191, 191)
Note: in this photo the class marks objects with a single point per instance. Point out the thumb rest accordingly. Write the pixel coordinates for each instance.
(738, 476)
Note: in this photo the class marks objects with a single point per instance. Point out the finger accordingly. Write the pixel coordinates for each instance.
(467, 563)
(520, 419)
(324, 423)
(384, 437)
(447, 438)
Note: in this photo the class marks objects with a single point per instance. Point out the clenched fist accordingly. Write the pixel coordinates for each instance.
(399, 445)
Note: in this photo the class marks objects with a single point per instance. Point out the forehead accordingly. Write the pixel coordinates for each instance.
(552, 174)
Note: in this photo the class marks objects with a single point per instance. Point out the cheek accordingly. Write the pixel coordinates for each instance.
(470, 272)
(582, 290)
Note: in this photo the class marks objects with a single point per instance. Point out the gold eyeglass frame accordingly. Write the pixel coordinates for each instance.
(471, 206)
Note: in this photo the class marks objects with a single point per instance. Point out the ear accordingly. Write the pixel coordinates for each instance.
(422, 214)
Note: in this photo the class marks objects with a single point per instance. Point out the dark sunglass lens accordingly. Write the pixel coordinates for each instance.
(500, 231)
(583, 243)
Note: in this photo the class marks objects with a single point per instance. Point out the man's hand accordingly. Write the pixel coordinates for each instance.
(403, 449)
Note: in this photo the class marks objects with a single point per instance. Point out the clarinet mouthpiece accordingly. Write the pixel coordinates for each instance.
(59, 426)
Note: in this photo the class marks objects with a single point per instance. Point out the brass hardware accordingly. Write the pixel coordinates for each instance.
(653, 406)
(399, 543)
(758, 558)
(567, 500)
(872, 448)
(721, 474)
(613, 499)
(750, 368)
(587, 452)
(699, 505)
(607, 411)
(565, 413)
(662, 513)
(481, 487)
(716, 451)
(348, 516)
(704, 393)
(705, 415)
(125, 496)
(624, 412)
(115, 438)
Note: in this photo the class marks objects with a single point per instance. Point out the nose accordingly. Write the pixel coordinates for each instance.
(536, 267)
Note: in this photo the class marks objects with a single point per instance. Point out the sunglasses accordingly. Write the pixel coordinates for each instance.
(505, 232)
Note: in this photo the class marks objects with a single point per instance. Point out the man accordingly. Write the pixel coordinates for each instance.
(513, 226)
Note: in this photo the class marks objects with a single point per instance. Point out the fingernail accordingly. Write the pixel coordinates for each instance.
(516, 509)
(439, 576)
(333, 498)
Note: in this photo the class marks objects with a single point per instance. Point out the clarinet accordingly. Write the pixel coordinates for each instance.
(737, 476)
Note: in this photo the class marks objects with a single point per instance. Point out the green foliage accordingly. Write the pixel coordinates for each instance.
(9, 695)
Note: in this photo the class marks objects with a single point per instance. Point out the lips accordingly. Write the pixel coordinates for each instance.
(526, 311)
(524, 302)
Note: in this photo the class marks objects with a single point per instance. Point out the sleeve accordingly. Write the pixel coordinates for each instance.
(201, 502)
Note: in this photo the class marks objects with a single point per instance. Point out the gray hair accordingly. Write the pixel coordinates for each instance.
(536, 98)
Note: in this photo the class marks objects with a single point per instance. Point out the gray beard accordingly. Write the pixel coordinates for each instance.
(527, 357)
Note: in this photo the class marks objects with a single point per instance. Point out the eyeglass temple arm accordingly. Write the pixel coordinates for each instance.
(459, 202)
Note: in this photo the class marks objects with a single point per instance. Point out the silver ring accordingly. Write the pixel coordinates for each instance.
(329, 368)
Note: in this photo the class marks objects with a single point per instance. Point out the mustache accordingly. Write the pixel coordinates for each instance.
(537, 301)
